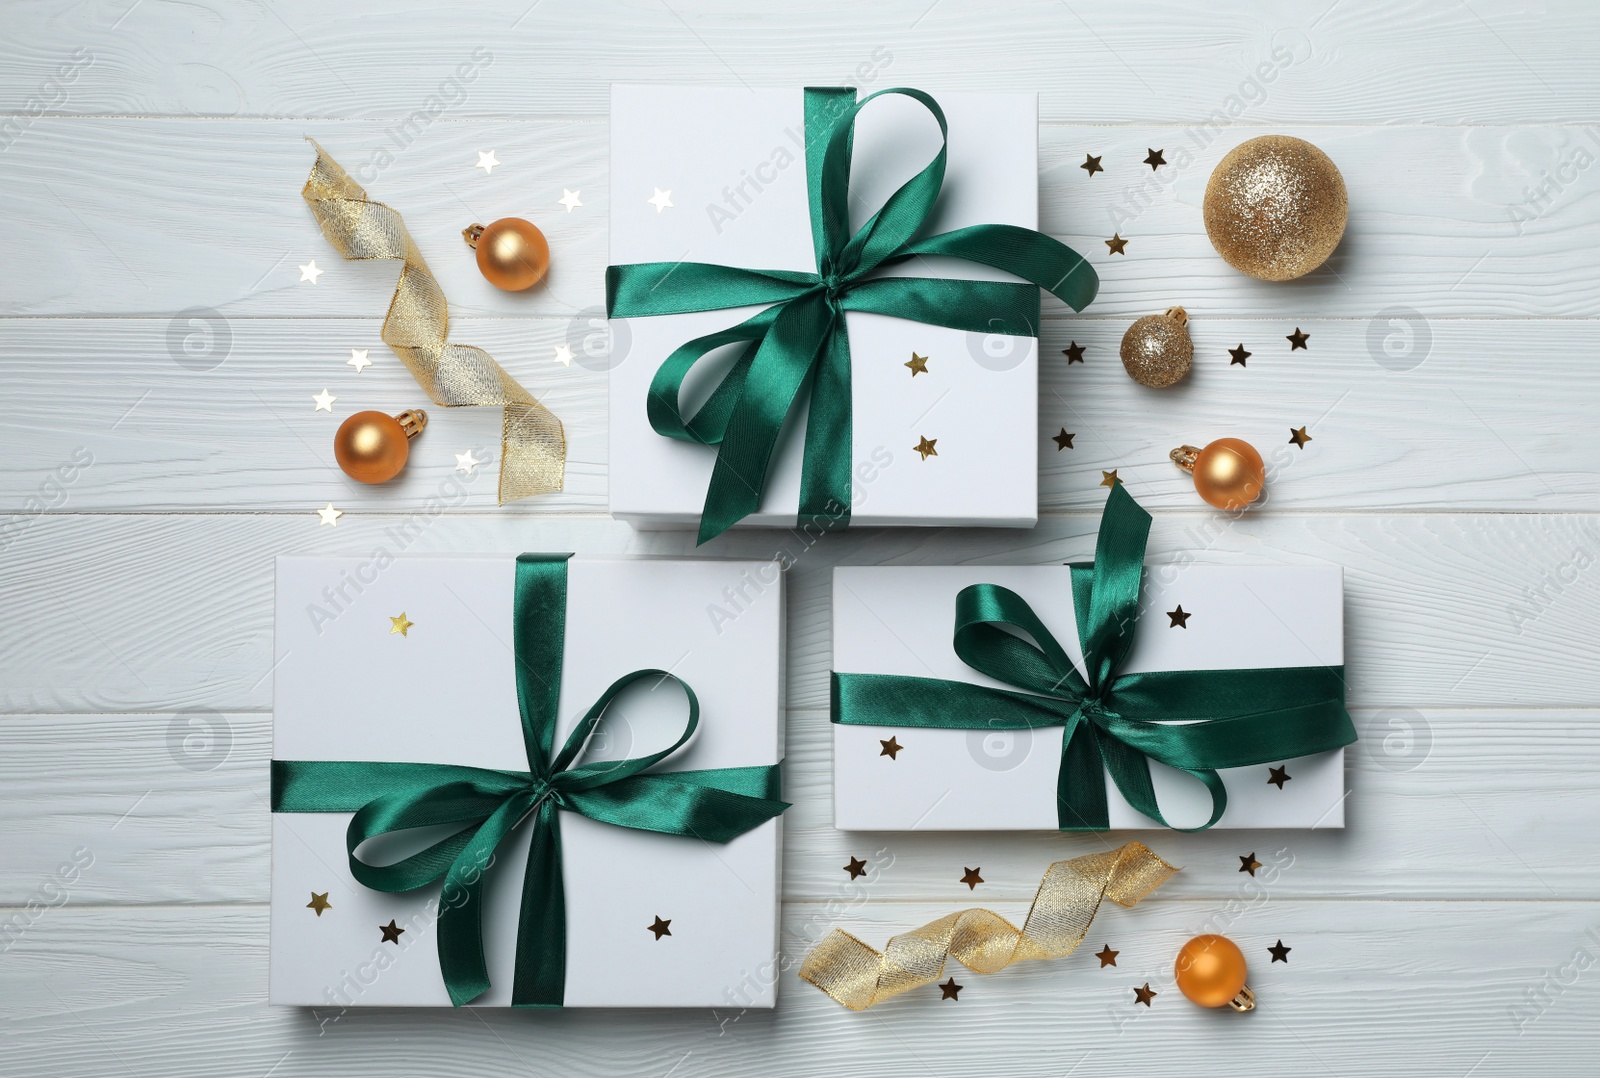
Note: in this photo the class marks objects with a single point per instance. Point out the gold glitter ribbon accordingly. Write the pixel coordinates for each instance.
(857, 976)
(533, 447)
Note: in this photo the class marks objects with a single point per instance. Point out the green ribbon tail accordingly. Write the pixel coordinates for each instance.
(541, 974)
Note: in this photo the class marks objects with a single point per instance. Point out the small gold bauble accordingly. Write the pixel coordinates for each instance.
(372, 447)
(1210, 970)
(512, 253)
(1157, 350)
(1228, 473)
(1276, 207)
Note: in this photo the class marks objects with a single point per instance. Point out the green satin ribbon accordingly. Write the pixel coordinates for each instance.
(801, 338)
(1194, 720)
(714, 805)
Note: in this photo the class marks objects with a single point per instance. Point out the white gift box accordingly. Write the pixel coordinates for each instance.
(732, 162)
(900, 621)
(346, 687)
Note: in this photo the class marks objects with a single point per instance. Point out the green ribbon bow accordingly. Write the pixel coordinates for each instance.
(801, 338)
(715, 805)
(1194, 720)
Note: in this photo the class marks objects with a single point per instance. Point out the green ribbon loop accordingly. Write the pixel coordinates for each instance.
(1197, 721)
(486, 806)
(800, 339)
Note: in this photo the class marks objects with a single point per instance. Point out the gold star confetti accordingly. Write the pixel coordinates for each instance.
(891, 748)
(486, 161)
(950, 990)
(1109, 479)
(1239, 355)
(857, 868)
(1297, 339)
(391, 932)
(918, 364)
(358, 359)
(1154, 159)
(1298, 437)
(1144, 995)
(1248, 863)
(467, 462)
(1280, 953)
(319, 903)
(1180, 618)
(661, 200)
(925, 447)
(660, 927)
(563, 354)
(324, 401)
(1107, 956)
(1062, 440)
(1091, 164)
(971, 878)
(1116, 243)
(1277, 776)
(400, 625)
(310, 272)
(569, 199)
(1073, 352)
(330, 516)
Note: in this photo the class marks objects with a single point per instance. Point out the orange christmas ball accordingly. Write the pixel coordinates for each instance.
(372, 447)
(1211, 970)
(512, 253)
(1229, 473)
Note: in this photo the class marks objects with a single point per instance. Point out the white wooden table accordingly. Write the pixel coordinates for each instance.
(1449, 384)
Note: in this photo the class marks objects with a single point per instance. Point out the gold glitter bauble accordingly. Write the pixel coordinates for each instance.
(1276, 207)
(1157, 350)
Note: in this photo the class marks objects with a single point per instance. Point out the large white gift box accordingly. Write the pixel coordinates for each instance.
(349, 685)
(899, 620)
(718, 175)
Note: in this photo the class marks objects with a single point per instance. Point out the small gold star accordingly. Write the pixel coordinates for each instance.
(1144, 995)
(1239, 355)
(661, 200)
(1073, 352)
(569, 199)
(486, 161)
(1109, 479)
(468, 462)
(857, 868)
(400, 624)
(1116, 243)
(660, 927)
(890, 748)
(391, 932)
(1298, 437)
(950, 990)
(1154, 159)
(1180, 618)
(358, 359)
(324, 401)
(1277, 776)
(310, 272)
(1297, 339)
(319, 903)
(925, 447)
(1107, 956)
(1248, 863)
(563, 354)
(330, 516)
(1063, 440)
(1280, 953)
(918, 364)
(1091, 164)
(971, 879)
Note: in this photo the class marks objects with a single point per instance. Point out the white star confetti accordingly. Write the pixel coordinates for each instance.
(310, 272)
(324, 401)
(660, 200)
(564, 355)
(330, 516)
(569, 199)
(358, 359)
(466, 462)
(486, 161)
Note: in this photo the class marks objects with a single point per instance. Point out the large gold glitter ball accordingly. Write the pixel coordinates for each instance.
(1276, 207)
(1157, 350)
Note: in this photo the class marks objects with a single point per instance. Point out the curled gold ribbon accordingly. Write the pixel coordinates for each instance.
(533, 447)
(857, 976)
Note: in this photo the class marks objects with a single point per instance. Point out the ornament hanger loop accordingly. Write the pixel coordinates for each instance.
(1185, 456)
